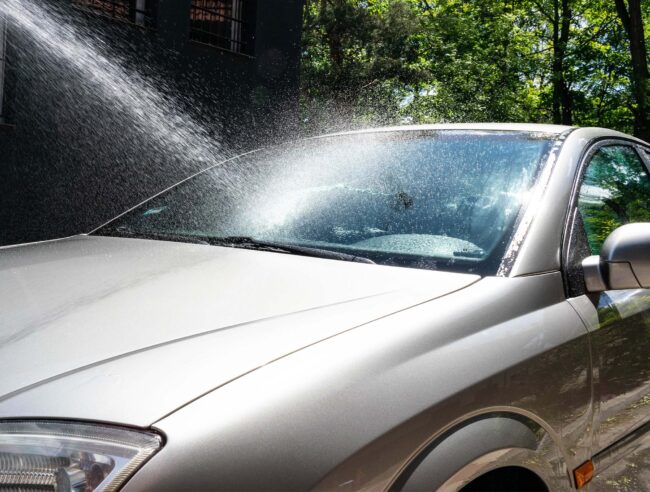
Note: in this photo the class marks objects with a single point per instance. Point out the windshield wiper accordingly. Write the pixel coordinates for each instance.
(236, 242)
(161, 236)
(261, 245)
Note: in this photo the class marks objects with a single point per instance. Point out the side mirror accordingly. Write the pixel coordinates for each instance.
(624, 261)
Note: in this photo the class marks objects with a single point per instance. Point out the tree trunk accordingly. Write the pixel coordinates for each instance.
(332, 31)
(562, 100)
(632, 21)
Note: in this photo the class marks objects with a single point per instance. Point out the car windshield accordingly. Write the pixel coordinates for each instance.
(438, 200)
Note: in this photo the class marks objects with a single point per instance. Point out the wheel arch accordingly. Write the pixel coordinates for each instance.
(482, 443)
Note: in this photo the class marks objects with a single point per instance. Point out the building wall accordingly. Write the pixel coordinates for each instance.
(70, 159)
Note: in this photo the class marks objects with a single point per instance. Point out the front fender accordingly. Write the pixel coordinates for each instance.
(481, 444)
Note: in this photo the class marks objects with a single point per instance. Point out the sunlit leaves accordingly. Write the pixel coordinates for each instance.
(393, 61)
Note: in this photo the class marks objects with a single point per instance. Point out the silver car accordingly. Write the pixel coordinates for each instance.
(414, 308)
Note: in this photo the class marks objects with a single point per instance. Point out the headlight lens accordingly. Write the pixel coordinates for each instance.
(63, 456)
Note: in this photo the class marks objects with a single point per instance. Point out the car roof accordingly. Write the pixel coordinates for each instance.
(506, 127)
(551, 130)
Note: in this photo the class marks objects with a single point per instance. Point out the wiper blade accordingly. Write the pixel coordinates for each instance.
(236, 242)
(161, 236)
(278, 247)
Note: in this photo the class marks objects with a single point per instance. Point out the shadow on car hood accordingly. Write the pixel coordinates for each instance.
(128, 330)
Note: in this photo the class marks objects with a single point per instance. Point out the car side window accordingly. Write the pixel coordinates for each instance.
(614, 190)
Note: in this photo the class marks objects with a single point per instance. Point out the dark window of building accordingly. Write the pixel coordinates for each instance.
(137, 11)
(226, 24)
(3, 46)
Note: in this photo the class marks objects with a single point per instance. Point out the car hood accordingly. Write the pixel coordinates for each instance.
(129, 330)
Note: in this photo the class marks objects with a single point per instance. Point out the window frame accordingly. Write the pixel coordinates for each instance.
(644, 151)
(148, 15)
(246, 28)
(572, 215)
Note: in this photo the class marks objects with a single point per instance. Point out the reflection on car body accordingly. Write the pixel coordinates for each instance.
(436, 307)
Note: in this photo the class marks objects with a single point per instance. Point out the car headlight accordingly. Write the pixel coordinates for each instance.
(39, 456)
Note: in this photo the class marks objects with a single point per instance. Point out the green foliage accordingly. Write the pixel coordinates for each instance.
(370, 62)
(358, 60)
(617, 192)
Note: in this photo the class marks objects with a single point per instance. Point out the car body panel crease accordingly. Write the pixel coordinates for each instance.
(198, 313)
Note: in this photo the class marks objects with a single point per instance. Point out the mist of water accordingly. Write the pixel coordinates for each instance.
(112, 134)
(153, 114)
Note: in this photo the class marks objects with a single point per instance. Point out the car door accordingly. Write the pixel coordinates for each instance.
(613, 189)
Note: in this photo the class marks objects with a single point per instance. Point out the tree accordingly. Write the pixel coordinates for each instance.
(358, 57)
(369, 62)
(559, 16)
(599, 69)
(477, 53)
(631, 17)
(562, 101)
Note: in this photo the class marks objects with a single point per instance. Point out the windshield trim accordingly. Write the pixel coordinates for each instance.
(523, 223)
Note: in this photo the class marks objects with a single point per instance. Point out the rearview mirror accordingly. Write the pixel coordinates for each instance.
(624, 261)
